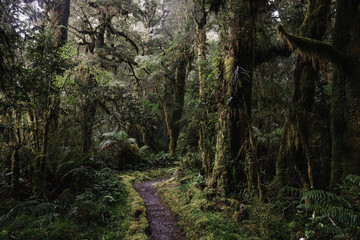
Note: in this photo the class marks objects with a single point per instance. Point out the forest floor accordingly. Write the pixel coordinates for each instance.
(162, 224)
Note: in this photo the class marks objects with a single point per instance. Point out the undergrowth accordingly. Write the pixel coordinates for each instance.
(107, 208)
(92, 213)
(197, 216)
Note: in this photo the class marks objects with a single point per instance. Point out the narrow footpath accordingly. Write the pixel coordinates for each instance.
(162, 224)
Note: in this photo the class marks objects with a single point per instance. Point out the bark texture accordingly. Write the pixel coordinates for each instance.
(59, 18)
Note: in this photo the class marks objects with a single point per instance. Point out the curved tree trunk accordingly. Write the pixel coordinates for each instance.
(345, 102)
(294, 163)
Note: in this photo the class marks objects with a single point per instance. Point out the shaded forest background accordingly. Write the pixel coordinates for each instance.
(254, 101)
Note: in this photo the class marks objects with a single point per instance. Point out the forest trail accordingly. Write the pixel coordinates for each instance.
(162, 225)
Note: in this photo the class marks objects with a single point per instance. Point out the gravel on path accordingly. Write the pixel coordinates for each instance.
(162, 225)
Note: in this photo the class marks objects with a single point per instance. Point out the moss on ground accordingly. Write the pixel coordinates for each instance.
(198, 217)
(108, 207)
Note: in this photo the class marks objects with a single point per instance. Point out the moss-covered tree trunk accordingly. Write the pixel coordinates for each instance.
(234, 91)
(345, 104)
(40, 161)
(177, 108)
(173, 100)
(59, 19)
(59, 16)
(294, 163)
(200, 19)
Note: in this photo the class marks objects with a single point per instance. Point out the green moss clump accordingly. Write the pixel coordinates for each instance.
(198, 217)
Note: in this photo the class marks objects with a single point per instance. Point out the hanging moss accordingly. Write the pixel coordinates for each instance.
(314, 50)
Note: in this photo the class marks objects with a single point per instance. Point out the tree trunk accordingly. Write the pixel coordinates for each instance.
(15, 169)
(174, 107)
(59, 20)
(204, 138)
(88, 112)
(59, 16)
(293, 164)
(345, 104)
(39, 188)
(234, 103)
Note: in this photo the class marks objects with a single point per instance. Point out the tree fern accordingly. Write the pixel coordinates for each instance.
(120, 135)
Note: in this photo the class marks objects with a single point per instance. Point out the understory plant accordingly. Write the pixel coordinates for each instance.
(95, 212)
(330, 215)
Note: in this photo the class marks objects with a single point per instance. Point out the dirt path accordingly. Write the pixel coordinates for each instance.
(162, 224)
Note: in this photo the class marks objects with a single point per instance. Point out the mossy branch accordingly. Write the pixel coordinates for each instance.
(314, 50)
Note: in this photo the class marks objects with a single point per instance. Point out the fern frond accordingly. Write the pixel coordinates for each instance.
(19, 209)
(74, 172)
(333, 230)
(121, 136)
(45, 208)
(354, 179)
(20, 222)
(330, 205)
(105, 144)
(343, 215)
(145, 151)
(65, 166)
(318, 196)
(290, 190)
(110, 134)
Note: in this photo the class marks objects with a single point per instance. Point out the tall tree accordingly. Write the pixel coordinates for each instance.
(345, 110)
(234, 92)
(59, 19)
(108, 45)
(200, 13)
(294, 161)
(59, 16)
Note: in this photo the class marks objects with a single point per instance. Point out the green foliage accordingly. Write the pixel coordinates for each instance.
(354, 179)
(325, 213)
(270, 224)
(71, 215)
(197, 216)
(339, 212)
(124, 150)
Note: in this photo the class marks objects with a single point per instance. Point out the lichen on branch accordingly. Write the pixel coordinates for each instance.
(315, 50)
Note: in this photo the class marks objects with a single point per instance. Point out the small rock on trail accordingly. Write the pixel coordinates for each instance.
(162, 224)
